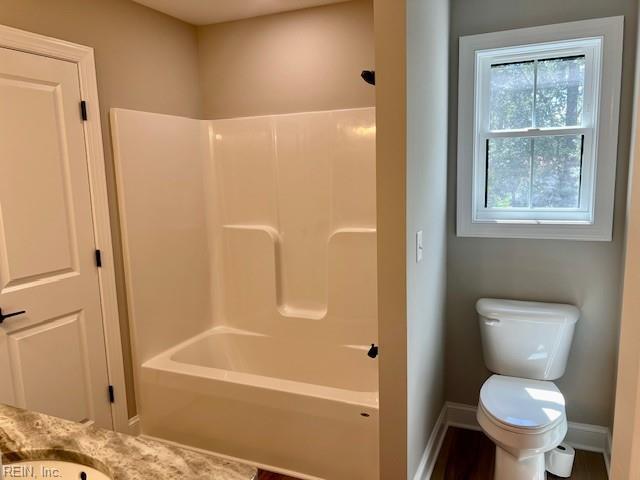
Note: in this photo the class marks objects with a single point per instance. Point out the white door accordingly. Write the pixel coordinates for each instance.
(52, 357)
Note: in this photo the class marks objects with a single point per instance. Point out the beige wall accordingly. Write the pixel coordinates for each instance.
(145, 60)
(586, 274)
(427, 98)
(297, 61)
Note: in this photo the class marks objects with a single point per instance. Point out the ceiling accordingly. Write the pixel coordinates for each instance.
(205, 12)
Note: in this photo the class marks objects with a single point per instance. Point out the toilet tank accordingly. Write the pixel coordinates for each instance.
(526, 339)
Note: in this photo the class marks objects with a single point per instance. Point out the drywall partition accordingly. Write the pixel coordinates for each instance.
(427, 112)
(296, 197)
(411, 95)
(390, 30)
(160, 166)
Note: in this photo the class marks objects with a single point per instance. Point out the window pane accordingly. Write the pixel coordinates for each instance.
(557, 165)
(511, 104)
(508, 172)
(560, 92)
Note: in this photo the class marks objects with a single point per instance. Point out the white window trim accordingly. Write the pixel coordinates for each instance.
(599, 227)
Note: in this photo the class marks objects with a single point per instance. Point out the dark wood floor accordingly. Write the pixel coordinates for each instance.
(262, 475)
(469, 455)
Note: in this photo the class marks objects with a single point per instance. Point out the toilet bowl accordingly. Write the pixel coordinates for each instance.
(524, 418)
(526, 345)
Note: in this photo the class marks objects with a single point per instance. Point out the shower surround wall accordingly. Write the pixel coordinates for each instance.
(275, 218)
(297, 230)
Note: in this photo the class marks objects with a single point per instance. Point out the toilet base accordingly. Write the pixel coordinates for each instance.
(508, 467)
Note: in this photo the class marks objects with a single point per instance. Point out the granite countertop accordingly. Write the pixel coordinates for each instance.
(26, 435)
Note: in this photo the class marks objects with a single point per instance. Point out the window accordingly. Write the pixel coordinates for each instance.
(537, 134)
(535, 131)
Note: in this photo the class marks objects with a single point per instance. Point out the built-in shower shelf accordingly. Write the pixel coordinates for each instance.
(273, 232)
(255, 227)
(349, 230)
(304, 313)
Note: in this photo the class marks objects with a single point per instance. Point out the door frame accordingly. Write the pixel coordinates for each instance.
(82, 56)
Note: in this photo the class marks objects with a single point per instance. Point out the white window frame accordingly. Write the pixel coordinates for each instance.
(591, 49)
(600, 41)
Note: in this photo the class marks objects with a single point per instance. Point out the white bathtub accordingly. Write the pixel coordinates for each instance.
(302, 408)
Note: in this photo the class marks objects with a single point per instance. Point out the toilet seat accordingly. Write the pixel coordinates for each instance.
(523, 417)
(522, 405)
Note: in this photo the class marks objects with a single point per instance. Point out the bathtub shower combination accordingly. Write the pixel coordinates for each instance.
(250, 256)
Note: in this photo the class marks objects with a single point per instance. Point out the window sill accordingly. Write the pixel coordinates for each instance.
(540, 230)
(532, 221)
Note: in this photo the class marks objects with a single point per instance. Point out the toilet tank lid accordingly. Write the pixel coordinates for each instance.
(530, 311)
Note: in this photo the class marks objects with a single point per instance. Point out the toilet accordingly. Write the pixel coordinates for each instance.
(526, 346)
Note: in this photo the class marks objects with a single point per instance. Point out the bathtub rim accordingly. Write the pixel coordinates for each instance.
(164, 362)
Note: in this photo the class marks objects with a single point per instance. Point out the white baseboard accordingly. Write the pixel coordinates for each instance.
(582, 436)
(462, 415)
(593, 438)
(430, 455)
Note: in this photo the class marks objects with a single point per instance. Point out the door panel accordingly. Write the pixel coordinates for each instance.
(36, 234)
(40, 382)
(56, 351)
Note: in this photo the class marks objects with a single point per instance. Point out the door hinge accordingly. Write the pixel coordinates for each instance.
(83, 110)
(112, 395)
(98, 258)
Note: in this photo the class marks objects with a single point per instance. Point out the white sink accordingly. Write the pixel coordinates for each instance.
(51, 469)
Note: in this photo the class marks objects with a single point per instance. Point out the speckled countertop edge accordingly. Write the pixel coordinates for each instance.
(26, 435)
